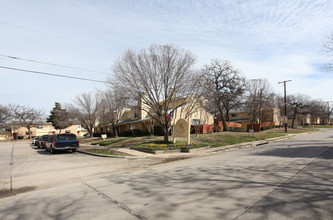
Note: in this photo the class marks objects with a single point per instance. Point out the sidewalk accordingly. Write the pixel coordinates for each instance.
(197, 152)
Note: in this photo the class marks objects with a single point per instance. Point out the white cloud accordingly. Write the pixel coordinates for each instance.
(278, 40)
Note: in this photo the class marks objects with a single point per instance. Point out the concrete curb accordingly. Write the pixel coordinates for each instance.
(111, 156)
(205, 150)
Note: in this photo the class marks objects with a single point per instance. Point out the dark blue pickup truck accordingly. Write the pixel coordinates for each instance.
(62, 142)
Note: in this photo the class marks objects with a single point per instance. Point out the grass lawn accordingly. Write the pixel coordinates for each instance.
(228, 138)
(155, 143)
(322, 126)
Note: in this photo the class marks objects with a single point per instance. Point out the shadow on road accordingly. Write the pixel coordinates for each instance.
(299, 189)
(300, 152)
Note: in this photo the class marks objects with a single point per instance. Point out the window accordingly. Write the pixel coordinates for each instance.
(78, 126)
(65, 137)
(233, 115)
(136, 115)
(195, 121)
(40, 126)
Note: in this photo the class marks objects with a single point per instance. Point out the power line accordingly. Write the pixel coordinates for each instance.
(52, 74)
(36, 61)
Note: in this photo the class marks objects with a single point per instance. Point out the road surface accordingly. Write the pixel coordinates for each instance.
(290, 179)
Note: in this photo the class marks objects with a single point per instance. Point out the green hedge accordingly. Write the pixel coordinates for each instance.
(235, 129)
(216, 128)
(267, 127)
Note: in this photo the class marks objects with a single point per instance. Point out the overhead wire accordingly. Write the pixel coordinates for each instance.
(52, 74)
(53, 64)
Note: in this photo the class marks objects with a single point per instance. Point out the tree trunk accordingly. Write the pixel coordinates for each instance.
(225, 128)
(115, 130)
(293, 121)
(227, 115)
(166, 134)
(90, 132)
(29, 132)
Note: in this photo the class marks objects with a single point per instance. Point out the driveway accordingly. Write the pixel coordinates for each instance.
(33, 168)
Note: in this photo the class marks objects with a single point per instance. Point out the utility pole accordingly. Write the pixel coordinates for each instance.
(285, 105)
(328, 112)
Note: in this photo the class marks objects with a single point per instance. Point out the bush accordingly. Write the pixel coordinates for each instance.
(96, 134)
(192, 130)
(235, 129)
(136, 132)
(125, 134)
(158, 131)
(145, 133)
(216, 128)
(267, 127)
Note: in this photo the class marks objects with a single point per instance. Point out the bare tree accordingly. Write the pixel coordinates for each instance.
(224, 87)
(86, 110)
(298, 104)
(319, 110)
(260, 100)
(149, 124)
(5, 116)
(113, 101)
(26, 116)
(158, 74)
(328, 48)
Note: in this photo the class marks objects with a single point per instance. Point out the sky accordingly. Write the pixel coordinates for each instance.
(275, 40)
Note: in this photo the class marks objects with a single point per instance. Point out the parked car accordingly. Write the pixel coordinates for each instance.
(62, 142)
(38, 141)
(34, 141)
(44, 140)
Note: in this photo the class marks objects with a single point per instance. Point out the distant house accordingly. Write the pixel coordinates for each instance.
(5, 134)
(303, 119)
(46, 128)
(243, 117)
(136, 118)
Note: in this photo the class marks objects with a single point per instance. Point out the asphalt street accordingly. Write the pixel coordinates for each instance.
(290, 179)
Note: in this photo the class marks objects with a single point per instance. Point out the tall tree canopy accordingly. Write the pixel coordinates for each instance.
(5, 116)
(260, 100)
(158, 74)
(298, 104)
(113, 101)
(224, 87)
(59, 117)
(25, 116)
(86, 110)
